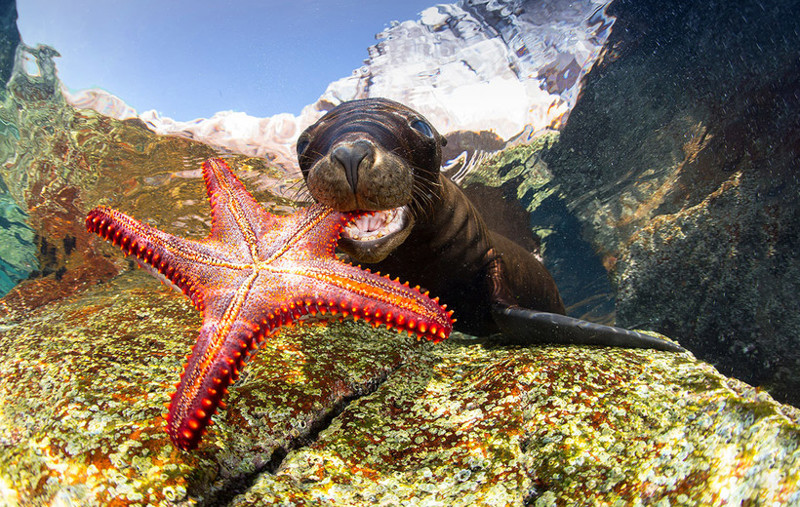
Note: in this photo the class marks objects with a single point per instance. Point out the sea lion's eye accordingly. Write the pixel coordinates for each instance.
(423, 128)
(302, 144)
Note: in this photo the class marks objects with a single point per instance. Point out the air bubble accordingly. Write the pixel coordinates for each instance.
(463, 475)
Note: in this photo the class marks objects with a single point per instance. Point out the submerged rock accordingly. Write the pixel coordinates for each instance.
(85, 381)
(457, 423)
(467, 424)
(9, 39)
(680, 164)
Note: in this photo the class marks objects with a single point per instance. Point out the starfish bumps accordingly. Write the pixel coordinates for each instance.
(254, 273)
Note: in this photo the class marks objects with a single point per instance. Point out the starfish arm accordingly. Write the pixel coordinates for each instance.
(235, 322)
(213, 365)
(237, 219)
(184, 263)
(339, 288)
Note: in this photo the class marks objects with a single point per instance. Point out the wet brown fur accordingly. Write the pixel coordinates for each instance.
(448, 250)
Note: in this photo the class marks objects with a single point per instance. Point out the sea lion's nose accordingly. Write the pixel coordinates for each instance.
(350, 155)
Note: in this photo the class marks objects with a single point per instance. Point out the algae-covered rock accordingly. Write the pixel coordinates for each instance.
(458, 423)
(466, 424)
(85, 380)
(370, 416)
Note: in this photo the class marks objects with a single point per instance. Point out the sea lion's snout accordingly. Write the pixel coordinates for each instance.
(358, 174)
(350, 156)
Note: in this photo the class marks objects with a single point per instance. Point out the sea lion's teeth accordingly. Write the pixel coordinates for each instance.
(375, 226)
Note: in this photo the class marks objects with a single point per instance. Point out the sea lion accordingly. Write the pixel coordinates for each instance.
(381, 156)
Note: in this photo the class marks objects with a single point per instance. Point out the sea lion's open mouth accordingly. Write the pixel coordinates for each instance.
(376, 225)
(373, 236)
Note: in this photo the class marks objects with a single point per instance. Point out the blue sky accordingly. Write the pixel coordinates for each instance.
(190, 59)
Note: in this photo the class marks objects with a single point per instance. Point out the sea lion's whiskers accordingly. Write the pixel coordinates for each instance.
(298, 191)
(423, 197)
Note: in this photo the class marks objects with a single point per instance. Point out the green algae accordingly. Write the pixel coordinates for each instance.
(518, 167)
(456, 423)
(85, 381)
(467, 424)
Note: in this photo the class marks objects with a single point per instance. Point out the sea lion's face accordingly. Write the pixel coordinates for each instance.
(373, 155)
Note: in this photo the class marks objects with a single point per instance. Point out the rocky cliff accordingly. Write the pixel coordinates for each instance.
(9, 38)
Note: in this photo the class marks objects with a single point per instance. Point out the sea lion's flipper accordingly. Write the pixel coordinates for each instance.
(529, 327)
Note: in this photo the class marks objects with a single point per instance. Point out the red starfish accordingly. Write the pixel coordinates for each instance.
(254, 273)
